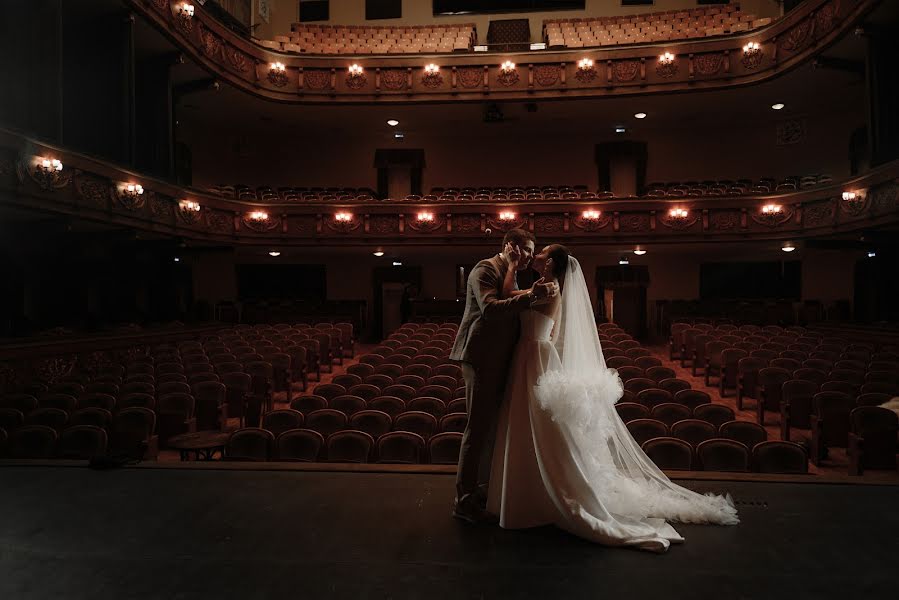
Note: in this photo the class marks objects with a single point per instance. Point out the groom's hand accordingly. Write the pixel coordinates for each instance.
(543, 289)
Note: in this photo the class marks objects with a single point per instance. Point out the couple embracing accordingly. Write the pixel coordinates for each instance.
(541, 401)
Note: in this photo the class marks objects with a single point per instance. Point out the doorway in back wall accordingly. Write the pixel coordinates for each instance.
(391, 289)
(621, 297)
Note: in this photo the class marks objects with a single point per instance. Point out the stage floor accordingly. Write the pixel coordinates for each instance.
(200, 533)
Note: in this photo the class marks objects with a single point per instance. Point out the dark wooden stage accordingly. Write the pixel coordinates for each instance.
(246, 533)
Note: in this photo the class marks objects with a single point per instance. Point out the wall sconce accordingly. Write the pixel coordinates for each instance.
(189, 211)
(277, 74)
(432, 77)
(591, 215)
(666, 67)
(47, 173)
(133, 189)
(425, 217)
(50, 165)
(130, 195)
(678, 213)
(752, 55)
(507, 215)
(771, 215)
(508, 74)
(258, 216)
(343, 217)
(854, 202)
(191, 206)
(772, 209)
(355, 77)
(586, 72)
(184, 11)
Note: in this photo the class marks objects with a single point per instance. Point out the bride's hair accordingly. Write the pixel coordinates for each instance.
(559, 254)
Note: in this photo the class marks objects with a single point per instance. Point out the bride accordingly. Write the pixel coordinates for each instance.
(562, 454)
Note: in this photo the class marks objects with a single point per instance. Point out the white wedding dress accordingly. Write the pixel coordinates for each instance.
(562, 454)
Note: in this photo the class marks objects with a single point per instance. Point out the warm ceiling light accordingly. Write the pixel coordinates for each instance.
(274, 253)
(393, 122)
(506, 215)
(772, 209)
(639, 251)
(788, 247)
(431, 69)
(343, 217)
(507, 67)
(426, 217)
(355, 70)
(378, 253)
(640, 115)
(590, 214)
(778, 106)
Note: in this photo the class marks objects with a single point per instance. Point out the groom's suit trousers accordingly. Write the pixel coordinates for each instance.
(483, 396)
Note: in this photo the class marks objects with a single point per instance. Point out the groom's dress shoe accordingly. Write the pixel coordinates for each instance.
(469, 510)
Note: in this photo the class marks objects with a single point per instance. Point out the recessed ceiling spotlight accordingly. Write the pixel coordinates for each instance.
(639, 251)
(177, 259)
(397, 263)
(623, 261)
(778, 106)
(393, 122)
(620, 129)
(788, 247)
(640, 115)
(378, 253)
(274, 253)
(871, 254)
(399, 135)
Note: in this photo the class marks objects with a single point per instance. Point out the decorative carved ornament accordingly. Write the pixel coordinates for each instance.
(394, 79)
(547, 75)
(238, 60)
(384, 224)
(752, 58)
(798, 37)
(466, 223)
(304, 224)
(508, 78)
(432, 80)
(92, 189)
(549, 224)
(585, 74)
(825, 19)
(724, 220)
(220, 222)
(634, 222)
(161, 207)
(356, 81)
(470, 77)
(625, 71)
(666, 70)
(819, 213)
(708, 64)
(48, 180)
(278, 78)
(885, 198)
(210, 43)
(131, 202)
(317, 80)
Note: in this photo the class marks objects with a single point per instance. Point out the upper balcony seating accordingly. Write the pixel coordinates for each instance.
(738, 187)
(649, 27)
(272, 195)
(363, 39)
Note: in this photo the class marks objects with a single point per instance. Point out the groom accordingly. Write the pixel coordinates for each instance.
(484, 344)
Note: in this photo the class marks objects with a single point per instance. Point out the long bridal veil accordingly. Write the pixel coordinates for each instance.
(605, 479)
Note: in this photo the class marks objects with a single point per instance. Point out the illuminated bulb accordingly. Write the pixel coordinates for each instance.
(259, 215)
(177, 259)
(192, 206)
(778, 106)
(507, 215)
(849, 195)
(591, 214)
(355, 69)
(425, 217)
(585, 64)
(666, 58)
(788, 247)
(57, 166)
(507, 66)
(186, 9)
(678, 213)
(771, 209)
(134, 188)
(751, 47)
(277, 67)
(639, 251)
(48, 164)
(431, 69)
(343, 217)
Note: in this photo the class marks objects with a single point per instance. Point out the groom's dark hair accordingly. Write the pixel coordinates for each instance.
(518, 237)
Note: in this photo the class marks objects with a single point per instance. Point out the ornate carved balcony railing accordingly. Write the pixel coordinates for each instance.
(711, 63)
(87, 188)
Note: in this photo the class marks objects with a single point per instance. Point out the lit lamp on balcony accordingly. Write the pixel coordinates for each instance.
(508, 73)
(343, 221)
(853, 202)
(507, 215)
(771, 215)
(678, 217)
(258, 216)
(277, 74)
(425, 217)
(47, 172)
(355, 76)
(586, 72)
(432, 76)
(667, 65)
(131, 194)
(752, 55)
(591, 215)
(772, 209)
(189, 211)
(185, 13)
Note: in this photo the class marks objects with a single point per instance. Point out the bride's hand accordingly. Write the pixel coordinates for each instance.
(542, 289)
